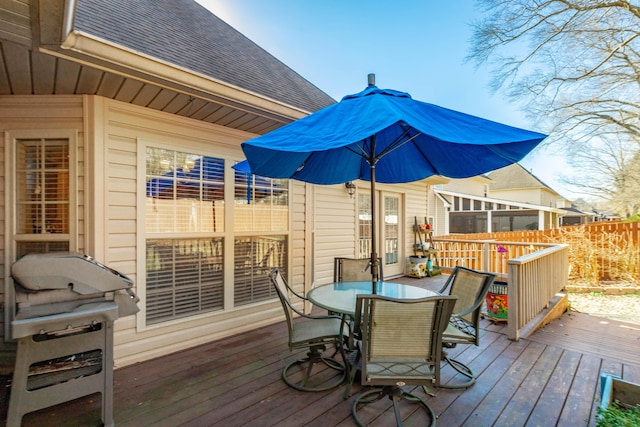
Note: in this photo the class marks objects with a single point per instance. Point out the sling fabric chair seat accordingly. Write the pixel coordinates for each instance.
(315, 334)
(401, 345)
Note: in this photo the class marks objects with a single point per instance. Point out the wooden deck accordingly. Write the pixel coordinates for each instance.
(550, 378)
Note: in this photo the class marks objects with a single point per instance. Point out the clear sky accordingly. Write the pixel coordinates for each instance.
(415, 46)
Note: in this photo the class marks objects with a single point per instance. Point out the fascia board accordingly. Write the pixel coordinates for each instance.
(161, 71)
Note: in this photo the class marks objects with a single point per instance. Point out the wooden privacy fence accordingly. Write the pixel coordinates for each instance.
(599, 251)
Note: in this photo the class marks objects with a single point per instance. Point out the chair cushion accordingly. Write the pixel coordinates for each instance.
(317, 330)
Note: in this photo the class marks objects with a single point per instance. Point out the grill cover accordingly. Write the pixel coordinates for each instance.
(64, 282)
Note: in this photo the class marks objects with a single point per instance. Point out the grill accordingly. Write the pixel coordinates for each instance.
(66, 304)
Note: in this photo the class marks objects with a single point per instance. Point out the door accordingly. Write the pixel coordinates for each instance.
(390, 234)
(390, 224)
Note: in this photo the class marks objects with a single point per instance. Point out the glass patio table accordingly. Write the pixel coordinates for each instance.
(341, 297)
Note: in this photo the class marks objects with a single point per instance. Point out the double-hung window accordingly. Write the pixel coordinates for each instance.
(192, 240)
(184, 217)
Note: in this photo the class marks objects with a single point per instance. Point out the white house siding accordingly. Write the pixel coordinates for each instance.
(111, 211)
(335, 228)
(300, 234)
(121, 128)
(33, 113)
(474, 186)
(533, 196)
(416, 197)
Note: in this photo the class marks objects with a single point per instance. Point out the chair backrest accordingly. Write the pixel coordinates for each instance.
(401, 338)
(285, 294)
(471, 287)
(354, 269)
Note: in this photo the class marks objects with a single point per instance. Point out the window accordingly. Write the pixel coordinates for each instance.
(261, 219)
(255, 257)
(187, 203)
(43, 168)
(466, 222)
(184, 257)
(364, 225)
(41, 192)
(184, 277)
(514, 221)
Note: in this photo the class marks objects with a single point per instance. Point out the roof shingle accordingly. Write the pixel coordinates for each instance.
(184, 33)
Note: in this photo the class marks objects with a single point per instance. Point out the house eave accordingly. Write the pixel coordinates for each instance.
(99, 53)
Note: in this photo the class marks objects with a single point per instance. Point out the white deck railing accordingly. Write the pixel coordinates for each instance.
(534, 280)
(534, 272)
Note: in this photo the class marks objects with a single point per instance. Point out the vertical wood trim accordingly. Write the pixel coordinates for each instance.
(95, 161)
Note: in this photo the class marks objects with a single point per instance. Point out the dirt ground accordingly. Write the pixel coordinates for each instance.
(624, 308)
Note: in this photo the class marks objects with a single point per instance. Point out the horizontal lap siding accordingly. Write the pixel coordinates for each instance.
(298, 223)
(334, 228)
(125, 126)
(33, 113)
(335, 222)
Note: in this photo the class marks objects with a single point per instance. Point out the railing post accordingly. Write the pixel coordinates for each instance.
(485, 253)
(513, 322)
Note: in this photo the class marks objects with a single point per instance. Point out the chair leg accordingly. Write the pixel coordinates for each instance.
(462, 369)
(314, 357)
(395, 394)
(354, 368)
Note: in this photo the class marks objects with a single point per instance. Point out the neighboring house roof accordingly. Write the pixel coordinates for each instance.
(516, 177)
(444, 194)
(574, 212)
(184, 33)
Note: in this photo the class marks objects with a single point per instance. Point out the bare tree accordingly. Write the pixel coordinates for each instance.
(574, 66)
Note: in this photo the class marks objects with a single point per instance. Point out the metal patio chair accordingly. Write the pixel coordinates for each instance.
(471, 287)
(315, 335)
(401, 344)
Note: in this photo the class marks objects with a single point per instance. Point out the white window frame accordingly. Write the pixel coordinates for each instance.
(229, 234)
(11, 137)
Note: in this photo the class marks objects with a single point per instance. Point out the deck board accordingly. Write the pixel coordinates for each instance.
(549, 378)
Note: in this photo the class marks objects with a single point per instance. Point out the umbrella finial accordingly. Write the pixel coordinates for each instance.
(371, 79)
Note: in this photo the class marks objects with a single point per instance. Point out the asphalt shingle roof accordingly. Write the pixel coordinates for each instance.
(184, 33)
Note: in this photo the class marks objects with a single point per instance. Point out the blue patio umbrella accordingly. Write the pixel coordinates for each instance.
(383, 135)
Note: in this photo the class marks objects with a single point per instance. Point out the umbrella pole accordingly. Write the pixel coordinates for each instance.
(375, 268)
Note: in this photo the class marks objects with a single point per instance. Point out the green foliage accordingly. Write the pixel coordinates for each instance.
(618, 416)
(633, 218)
